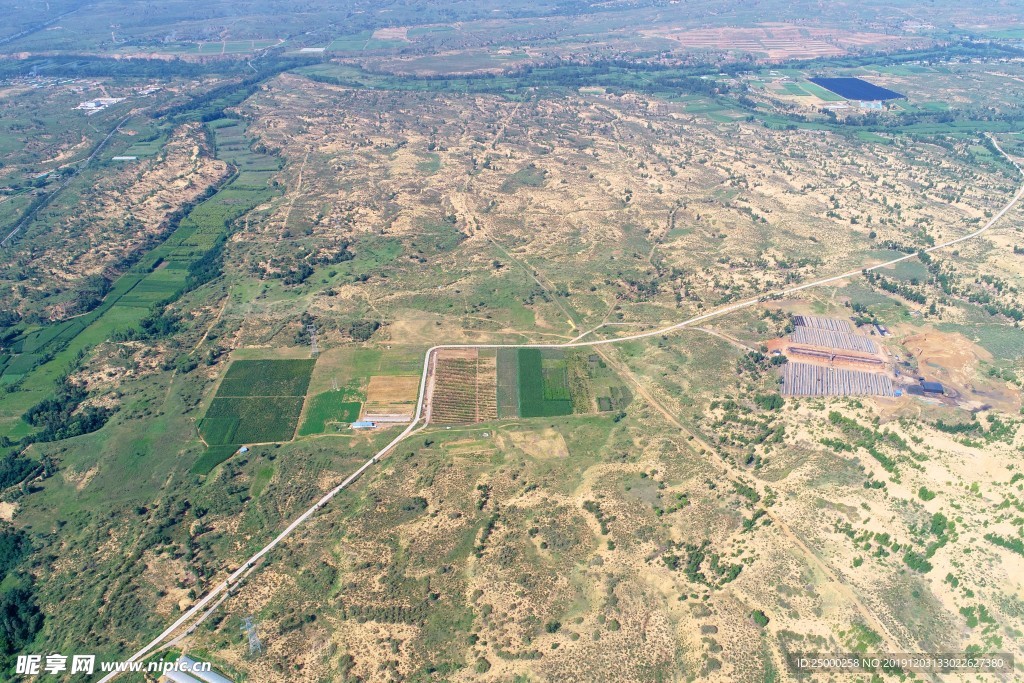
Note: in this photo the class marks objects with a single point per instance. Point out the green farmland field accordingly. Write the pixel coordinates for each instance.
(326, 408)
(250, 419)
(543, 385)
(211, 457)
(258, 401)
(267, 378)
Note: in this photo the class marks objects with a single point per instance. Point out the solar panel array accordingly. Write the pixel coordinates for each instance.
(834, 324)
(833, 340)
(803, 379)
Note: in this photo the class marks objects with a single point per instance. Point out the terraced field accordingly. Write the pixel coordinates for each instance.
(185, 260)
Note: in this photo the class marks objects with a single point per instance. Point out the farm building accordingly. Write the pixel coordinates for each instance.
(178, 677)
(363, 424)
(196, 669)
(387, 417)
(932, 388)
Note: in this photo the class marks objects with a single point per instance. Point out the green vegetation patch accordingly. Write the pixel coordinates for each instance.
(609, 393)
(363, 40)
(821, 93)
(528, 176)
(431, 163)
(1002, 341)
(426, 30)
(258, 401)
(219, 429)
(211, 457)
(326, 408)
(260, 419)
(543, 384)
(267, 378)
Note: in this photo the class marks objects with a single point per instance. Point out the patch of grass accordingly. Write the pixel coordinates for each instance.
(326, 408)
(211, 457)
(260, 481)
(528, 176)
(431, 163)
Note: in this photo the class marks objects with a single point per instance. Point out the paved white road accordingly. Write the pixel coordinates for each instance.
(415, 425)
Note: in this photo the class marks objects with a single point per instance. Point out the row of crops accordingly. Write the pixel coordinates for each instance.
(465, 390)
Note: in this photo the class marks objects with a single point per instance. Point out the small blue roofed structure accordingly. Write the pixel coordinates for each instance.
(932, 388)
(363, 424)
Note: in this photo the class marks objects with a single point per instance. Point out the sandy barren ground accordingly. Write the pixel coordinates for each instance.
(613, 200)
(704, 534)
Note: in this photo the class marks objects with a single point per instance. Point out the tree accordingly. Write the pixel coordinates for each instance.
(361, 330)
(769, 401)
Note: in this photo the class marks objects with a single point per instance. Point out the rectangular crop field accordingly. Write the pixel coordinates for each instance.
(267, 378)
(393, 395)
(508, 384)
(794, 89)
(250, 419)
(332, 407)
(465, 386)
(258, 401)
(543, 384)
(821, 93)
